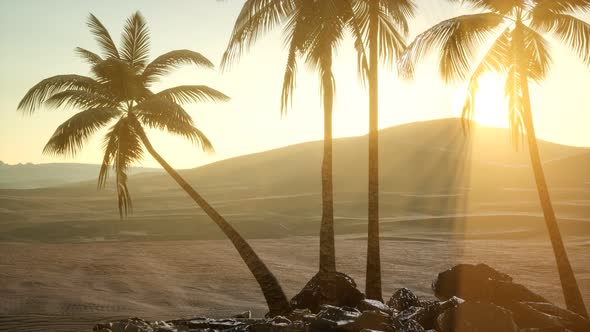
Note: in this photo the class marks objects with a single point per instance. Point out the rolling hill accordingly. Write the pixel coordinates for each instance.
(29, 176)
(432, 178)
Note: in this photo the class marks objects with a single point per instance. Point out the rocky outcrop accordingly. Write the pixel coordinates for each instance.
(481, 283)
(472, 298)
(335, 288)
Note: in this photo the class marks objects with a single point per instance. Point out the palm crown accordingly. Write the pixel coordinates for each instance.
(118, 90)
(519, 47)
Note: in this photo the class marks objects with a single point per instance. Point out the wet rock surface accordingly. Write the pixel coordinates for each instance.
(472, 298)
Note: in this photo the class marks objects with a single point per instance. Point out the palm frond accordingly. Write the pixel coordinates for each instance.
(289, 79)
(537, 51)
(256, 18)
(513, 92)
(167, 62)
(545, 7)
(164, 114)
(79, 99)
(122, 147)
(185, 94)
(355, 25)
(90, 57)
(102, 36)
(498, 6)
(325, 24)
(399, 11)
(119, 78)
(457, 37)
(391, 41)
(50, 86)
(295, 32)
(135, 42)
(570, 30)
(71, 135)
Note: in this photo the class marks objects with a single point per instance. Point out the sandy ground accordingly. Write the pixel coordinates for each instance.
(68, 287)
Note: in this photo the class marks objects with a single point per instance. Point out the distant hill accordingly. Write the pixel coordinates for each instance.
(28, 176)
(432, 177)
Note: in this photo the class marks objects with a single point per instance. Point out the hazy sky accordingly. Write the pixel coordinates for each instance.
(37, 39)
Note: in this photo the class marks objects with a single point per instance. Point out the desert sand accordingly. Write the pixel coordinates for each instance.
(69, 287)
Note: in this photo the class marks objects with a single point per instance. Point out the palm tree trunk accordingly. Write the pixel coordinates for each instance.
(327, 247)
(373, 273)
(569, 285)
(273, 293)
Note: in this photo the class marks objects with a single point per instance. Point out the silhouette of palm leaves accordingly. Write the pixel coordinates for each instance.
(119, 91)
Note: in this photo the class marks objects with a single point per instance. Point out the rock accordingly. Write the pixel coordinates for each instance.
(246, 314)
(483, 284)
(371, 320)
(214, 324)
(569, 319)
(372, 305)
(476, 317)
(336, 289)
(280, 321)
(403, 299)
(528, 317)
(301, 315)
(551, 329)
(410, 326)
(331, 318)
(428, 312)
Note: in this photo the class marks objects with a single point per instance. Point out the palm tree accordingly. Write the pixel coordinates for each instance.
(382, 24)
(520, 52)
(119, 92)
(313, 30)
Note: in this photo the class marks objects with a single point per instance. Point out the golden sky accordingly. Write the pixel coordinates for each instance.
(37, 39)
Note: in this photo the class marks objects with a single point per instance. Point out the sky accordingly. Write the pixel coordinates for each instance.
(37, 39)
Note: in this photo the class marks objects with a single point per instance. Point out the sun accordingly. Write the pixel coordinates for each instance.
(491, 108)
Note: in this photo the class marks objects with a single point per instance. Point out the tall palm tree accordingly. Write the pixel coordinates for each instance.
(119, 91)
(383, 25)
(313, 30)
(520, 52)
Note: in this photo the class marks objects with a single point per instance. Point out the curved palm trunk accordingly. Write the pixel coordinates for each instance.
(327, 248)
(273, 293)
(373, 273)
(569, 285)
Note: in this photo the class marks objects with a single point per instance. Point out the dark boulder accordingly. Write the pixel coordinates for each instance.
(410, 326)
(336, 289)
(371, 320)
(527, 317)
(569, 319)
(476, 317)
(403, 299)
(304, 315)
(332, 318)
(427, 313)
(481, 283)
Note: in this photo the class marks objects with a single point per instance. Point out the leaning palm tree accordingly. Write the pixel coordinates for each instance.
(118, 91)
(520, 52)
(383, 25)
(313, 30)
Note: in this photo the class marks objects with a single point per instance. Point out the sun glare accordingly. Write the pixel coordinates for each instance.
(490, 103)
